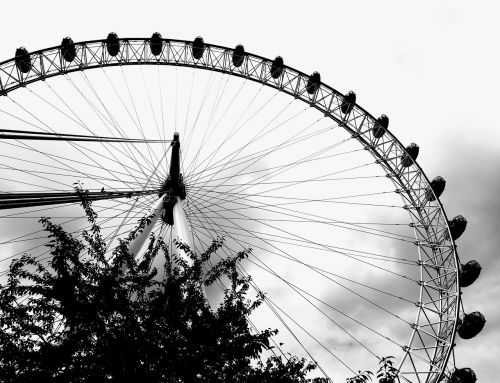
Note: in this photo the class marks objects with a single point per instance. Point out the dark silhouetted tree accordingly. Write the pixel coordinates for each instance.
(84, 318)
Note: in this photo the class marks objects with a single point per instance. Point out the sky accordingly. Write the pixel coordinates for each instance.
(431, 67)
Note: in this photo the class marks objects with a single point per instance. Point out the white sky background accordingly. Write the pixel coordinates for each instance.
(432, 68)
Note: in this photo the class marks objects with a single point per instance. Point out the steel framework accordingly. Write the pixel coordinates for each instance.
(439, 302)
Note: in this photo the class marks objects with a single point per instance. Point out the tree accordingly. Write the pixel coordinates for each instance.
(84, 318)
(386, 372)
(360, 377)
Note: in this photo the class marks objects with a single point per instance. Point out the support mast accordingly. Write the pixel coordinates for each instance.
(169, 207)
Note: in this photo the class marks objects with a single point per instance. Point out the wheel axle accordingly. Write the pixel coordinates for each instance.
(173, 187)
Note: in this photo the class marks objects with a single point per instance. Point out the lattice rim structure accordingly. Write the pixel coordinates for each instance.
(438, 259)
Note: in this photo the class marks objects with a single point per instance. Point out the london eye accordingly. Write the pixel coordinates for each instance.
(350, 244)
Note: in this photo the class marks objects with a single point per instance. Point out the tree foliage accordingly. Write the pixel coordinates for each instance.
(386, 372)
(84, 318)
(360, 377)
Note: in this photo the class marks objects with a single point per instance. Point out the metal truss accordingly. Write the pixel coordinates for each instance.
(438, 306)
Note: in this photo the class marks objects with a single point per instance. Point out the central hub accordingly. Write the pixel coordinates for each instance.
(173, 187)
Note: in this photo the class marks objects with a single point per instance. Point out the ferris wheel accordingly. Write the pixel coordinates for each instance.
(351, 246)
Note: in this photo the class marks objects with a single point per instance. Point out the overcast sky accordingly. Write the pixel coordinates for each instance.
(432, 68)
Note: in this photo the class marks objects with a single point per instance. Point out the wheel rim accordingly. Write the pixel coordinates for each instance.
(437, 259)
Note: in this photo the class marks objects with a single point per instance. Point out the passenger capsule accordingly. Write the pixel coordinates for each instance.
(463, 375)
(23, 61)
(469, 273)
(112, 44)
(435, 189)
(238, 55)
(277, 67)
(470, 325)
(380, 126)
(198, 48)
(348, 102)
(313, 83)
(156, 44)
(410, 155)
(68, 49)
(457, 226)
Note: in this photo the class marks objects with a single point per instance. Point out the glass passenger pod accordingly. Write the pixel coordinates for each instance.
(470, 325)
(238, 55)
(469, 273)
(68, 49)
(463, 375)
(277, 67)
(381, 126)
(410, 155)
(313, 83)
(198, 48)
(156, 44)
(435, 189)
(348, 102)
(112, 44)
(23, 60)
